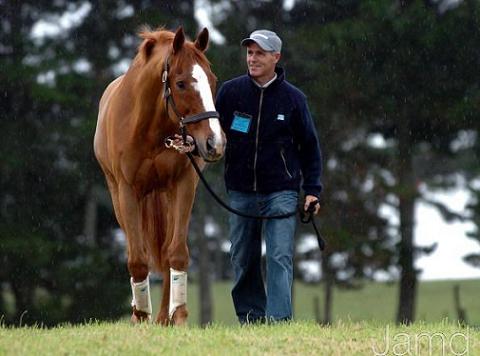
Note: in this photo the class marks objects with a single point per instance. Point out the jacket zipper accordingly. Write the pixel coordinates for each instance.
(256, 142)
(285, 163)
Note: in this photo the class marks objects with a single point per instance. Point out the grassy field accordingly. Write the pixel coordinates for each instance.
(298, 338)
(375, 302)
(362, 326)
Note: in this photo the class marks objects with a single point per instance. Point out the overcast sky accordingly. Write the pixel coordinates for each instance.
(453, 244)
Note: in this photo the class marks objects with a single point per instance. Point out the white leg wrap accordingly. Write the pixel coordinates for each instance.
(141, 295)
(178, 290)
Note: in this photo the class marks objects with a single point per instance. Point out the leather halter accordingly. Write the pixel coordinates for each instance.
(167, 95)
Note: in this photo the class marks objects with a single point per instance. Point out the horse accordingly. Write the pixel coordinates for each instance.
(168, 87)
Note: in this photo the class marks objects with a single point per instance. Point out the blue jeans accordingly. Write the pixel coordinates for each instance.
(249, 298)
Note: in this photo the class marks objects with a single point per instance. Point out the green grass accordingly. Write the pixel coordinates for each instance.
(374, 302)
(298, 338)
(362, 324)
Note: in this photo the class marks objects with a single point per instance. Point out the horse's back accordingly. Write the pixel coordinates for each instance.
(101, 139)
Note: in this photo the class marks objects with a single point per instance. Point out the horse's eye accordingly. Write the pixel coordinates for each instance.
(181, 85)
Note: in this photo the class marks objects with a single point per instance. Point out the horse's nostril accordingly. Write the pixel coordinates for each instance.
(211, 144)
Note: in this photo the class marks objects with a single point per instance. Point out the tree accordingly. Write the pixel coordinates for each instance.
(473, 258)
(423, 114)
(408, 84)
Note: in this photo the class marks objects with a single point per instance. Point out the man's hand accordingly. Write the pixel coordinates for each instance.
(308, 200)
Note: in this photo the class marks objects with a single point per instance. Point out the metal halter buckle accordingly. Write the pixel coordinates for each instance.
(176, 142)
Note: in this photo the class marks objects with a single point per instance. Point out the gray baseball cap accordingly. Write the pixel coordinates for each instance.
(267, 40)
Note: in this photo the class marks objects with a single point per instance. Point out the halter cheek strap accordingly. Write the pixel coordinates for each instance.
(167, 92)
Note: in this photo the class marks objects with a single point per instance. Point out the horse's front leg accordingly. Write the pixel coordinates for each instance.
(162, 316)
(178, 256)
(137, 258)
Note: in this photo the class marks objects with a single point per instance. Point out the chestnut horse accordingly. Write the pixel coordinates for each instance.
(168, 87)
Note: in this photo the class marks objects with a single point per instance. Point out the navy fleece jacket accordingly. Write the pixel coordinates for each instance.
(272, 143)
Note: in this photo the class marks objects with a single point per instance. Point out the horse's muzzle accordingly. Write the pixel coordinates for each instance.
(213, 148)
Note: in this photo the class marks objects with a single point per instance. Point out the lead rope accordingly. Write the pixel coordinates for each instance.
(305, 217)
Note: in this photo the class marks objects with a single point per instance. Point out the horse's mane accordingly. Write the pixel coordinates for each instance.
(163, 36)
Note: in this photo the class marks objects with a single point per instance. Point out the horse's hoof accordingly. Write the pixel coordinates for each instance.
(139, 316)
(162, 319)
(180, 316)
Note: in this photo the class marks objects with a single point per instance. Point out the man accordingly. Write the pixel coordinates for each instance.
(272, 148)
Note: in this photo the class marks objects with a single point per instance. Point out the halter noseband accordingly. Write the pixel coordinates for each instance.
(167, 95)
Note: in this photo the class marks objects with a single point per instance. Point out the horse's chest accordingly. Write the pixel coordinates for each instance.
(160, 173)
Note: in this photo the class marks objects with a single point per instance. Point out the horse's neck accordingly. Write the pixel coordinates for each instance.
(149, 114)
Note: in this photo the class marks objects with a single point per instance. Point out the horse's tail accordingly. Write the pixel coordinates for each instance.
(153, 210)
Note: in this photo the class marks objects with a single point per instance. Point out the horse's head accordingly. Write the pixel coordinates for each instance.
(188, 89)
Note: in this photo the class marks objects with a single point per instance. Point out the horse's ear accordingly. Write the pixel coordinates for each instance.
(179, 40)
(202, 40)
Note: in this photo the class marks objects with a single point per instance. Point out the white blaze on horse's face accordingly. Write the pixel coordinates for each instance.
(202, 86)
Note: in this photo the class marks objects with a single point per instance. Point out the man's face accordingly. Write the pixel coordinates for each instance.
(261, 64)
